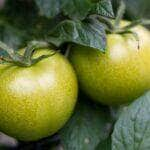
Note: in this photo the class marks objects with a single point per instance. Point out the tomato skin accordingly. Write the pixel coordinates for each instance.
(118, 76)
(36, 101)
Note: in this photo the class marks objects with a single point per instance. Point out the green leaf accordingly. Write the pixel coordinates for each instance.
(104, 8)
(76, 9)
(21, 14)
(20, 20)
(89, 33)
(132, 130)
(138, 9)
(12, 36)
(135, 9)
(88, 126)
(105, 144)
(48, 8)
(17, 22)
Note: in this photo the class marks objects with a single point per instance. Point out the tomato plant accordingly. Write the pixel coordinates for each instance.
(121, 74)
(75, 74)
(36, 101)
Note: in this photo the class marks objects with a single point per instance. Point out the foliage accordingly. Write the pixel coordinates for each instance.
(61, 22)
(89, 125)
(136, 8)
(133, 126)
(47, 24)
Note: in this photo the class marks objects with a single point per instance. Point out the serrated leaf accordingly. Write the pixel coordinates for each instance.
(76, 9)
(105, 144)
(49, 8)
(104, 8)
(132, 130)
(90, 34)
(88, 126)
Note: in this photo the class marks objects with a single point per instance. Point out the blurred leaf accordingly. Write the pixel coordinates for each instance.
(49, 8)
(48, 143)
(85, 33)
(138, 8)
(88, 126)
(135, 9)
(104, 8)
(105, 144)
(20, 13)
(4, 148)
(74, 9)
(23, 16)
(17, 21)
(20, 23)
(77, 9)
(132, 130)
(12, 36)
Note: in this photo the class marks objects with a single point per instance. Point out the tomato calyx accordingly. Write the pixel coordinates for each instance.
(26, 59)
(113, 27)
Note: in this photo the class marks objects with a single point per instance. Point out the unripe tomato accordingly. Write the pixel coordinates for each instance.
(36, 101)
(121, 74)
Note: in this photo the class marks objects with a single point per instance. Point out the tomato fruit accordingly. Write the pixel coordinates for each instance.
(36, 101)
(119, 75)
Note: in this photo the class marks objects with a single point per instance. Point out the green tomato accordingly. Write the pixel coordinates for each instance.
(36, 101)
(118, 76)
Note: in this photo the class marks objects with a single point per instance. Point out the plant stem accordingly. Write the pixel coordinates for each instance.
(68, 50)
(120, 14)
(104, 20)
(137, 22)
(26, 59)
(30, 49)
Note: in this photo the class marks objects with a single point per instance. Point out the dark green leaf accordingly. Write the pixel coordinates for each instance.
(138, 8)
(12, 36)
(135, 8)
(105, 144)
(132, 130)
(84, 33)
(76, 9)
(20, 18)
(49, 8)
(88, 126)
(103, 8)
(19, 13)
(17, 22)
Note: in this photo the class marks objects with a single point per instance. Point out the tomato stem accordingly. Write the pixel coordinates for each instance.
(26, 59)
(120, 13)
(31, 47)
(68, 50)
(36, 60)
(137, 22)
